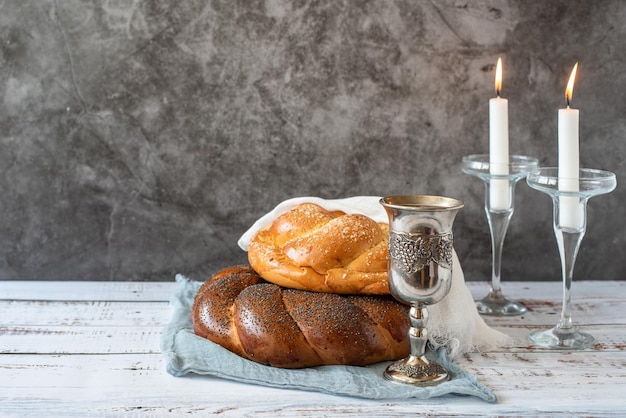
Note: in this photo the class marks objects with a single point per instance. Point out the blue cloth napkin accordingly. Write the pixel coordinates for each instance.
(186, 353)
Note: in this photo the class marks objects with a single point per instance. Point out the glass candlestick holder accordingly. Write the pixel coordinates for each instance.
(569, 198)
(500, 181)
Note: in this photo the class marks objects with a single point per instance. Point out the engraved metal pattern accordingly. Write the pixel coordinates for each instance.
(416, 251)
(417, 371)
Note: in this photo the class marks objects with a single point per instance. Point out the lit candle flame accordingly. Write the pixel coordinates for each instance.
(499, 76)
(569, 91)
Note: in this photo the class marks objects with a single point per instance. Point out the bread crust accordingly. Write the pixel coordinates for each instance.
(310, 248)
(290, 328)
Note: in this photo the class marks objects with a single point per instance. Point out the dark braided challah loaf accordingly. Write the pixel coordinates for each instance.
(290, 328)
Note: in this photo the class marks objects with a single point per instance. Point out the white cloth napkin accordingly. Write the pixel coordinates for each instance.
(453, 323)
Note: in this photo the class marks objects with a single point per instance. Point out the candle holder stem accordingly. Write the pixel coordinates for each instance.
(499, 208)
(498, 225)
(569, 224)
(568, 243)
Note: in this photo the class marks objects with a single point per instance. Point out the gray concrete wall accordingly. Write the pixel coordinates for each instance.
(139, 139)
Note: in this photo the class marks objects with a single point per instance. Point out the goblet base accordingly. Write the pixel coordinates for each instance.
(498, 305)
(561, 339)
(417, 371)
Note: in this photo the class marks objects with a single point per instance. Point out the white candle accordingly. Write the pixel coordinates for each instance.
(499, 196)
(570, 212)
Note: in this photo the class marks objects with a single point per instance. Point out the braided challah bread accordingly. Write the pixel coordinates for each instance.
(310, 248)
(290, 328)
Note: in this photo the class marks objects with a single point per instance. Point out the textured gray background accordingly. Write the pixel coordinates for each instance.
(139, 139)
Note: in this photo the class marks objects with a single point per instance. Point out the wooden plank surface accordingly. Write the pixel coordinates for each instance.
(525, 385)
(80, 383)
(97, 354)
(85, 291)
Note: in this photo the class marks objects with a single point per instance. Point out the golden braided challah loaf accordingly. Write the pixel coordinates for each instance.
(310, 248)
(290, 328)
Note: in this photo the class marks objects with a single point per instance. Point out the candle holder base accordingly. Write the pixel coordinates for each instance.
(496, 304)
(561, 339)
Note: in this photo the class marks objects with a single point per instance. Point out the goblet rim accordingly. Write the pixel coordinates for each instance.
(422, 201)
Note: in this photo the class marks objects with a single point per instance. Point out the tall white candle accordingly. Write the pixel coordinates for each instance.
(570, 212)
(499, 195)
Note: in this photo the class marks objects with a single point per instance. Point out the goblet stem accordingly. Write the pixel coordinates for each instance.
(418, 336)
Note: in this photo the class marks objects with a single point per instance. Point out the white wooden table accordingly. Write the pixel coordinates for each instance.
(92, 349)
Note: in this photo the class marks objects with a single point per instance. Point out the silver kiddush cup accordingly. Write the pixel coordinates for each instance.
(420, 274)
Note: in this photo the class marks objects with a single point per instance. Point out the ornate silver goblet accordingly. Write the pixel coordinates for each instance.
(420, 274)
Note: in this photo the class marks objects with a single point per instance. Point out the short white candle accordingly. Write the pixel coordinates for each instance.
(499, 196)
(570, 212)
